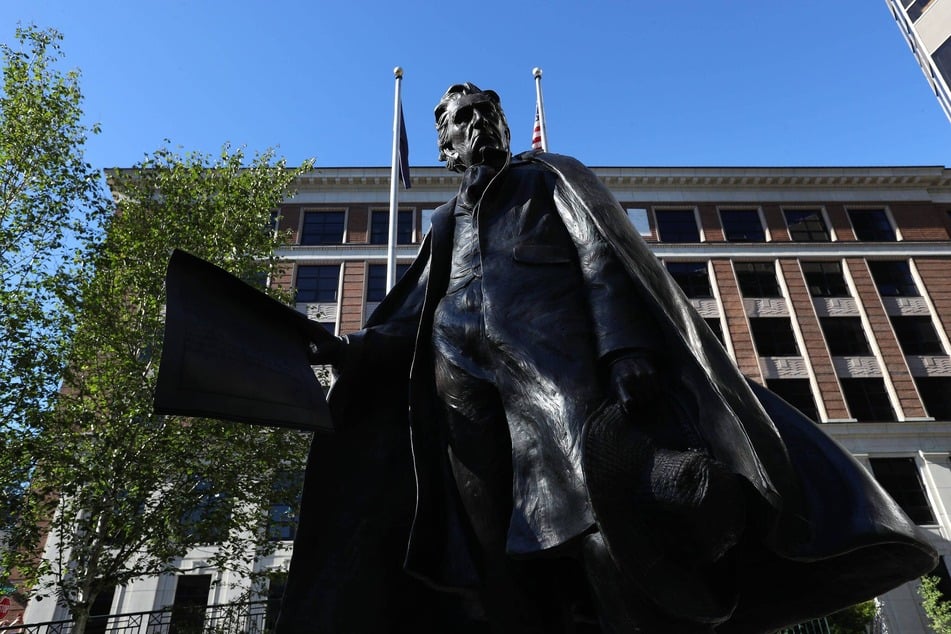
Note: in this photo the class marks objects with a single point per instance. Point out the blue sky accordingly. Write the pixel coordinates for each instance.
(687, 83)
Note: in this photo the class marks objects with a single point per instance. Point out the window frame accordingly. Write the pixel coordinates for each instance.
(935, 393)
(917, 335)
(902, 281)
(831, 290)
(735, 211)
(826, 231)
(208, 521)
(842, 337)
(851, 386)
(371, 279)
(798, 388)
(660, 213)
(283, 514)
(302, 239)
(401, 232)
(774, 337)
(914, 508)
(856, 212)
(639, 216)
(316, 300)
(687, 281)
(751, 282)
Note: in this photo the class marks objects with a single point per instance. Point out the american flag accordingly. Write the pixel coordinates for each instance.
(537, 134)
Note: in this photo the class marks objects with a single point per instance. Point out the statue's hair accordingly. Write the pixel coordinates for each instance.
(455, 92)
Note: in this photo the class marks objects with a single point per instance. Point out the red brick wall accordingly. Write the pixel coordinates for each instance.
(840, 222)
(920, 221)
(816, 349)
(892, 354)
(936, 277)
(358, 224)
(746, 358)
(351, 303)
(775, 223)
(710, 223)
(283, 275)
(290, 220)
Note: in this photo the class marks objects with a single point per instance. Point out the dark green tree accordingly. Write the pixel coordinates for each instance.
(127, 493)
(51, 207)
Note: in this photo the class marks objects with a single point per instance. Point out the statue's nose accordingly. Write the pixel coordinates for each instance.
(477, 118)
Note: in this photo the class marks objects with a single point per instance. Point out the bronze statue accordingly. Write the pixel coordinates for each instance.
(535, 431)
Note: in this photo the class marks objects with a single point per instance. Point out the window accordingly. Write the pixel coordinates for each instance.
(277, 582)
(376, 280)
(796, 392)
(207, 522)
(380, 227)
(677, 225)
(191, 601)
(773, 337)
(901, 479)
(942, 59)
(916, 335)
(318, 283)
(867, 399)
(285, 500)
(716, 327)
(742, 225)
(322, 227)
(936, 394)
(915, 8)
(825, 279)
(692, 277)
(872, 225)
(806, 225)
(757, 279)
(638, 218)
(893, 278)
(99, 612)
(845, 336)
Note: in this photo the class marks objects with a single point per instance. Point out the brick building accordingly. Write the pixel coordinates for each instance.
(830, 285)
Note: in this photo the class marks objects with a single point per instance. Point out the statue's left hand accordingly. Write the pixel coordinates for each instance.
(634, 381)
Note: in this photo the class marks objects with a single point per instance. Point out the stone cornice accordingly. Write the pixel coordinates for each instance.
(928, 177)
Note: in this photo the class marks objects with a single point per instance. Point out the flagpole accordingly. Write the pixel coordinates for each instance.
(540, 104)
(394, 185)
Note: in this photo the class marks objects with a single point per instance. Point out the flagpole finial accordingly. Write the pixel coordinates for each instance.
(536, 72)
(398, 72)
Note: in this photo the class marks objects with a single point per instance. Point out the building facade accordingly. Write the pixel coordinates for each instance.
(832, 286)
(926, 26)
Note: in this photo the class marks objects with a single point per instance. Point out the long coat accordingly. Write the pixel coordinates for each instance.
(828, 535)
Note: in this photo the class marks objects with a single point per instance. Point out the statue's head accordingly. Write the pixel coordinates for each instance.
(472, 127)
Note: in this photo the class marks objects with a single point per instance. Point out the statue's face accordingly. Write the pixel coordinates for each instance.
(475, 125)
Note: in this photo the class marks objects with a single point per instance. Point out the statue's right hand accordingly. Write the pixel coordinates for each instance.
(329, 351)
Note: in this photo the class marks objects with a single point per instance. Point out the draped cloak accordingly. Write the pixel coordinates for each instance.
(379, 501)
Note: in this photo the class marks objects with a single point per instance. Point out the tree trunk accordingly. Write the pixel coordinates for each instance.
(79, 621)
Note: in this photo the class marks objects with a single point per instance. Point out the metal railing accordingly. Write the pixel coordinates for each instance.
(252, 617)
(816, 626)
